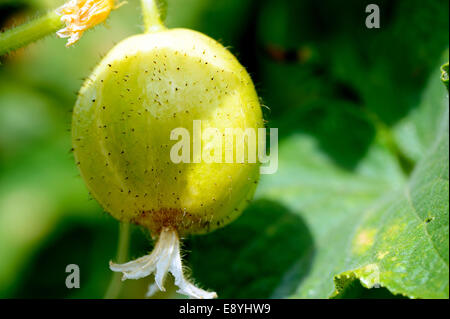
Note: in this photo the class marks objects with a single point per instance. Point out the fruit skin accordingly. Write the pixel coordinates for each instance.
(144, 88)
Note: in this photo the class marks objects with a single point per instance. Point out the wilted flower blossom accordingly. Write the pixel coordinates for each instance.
(80, 15)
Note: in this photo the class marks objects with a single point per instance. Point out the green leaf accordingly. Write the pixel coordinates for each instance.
(391, 235)
(359, 228)
(402, 242)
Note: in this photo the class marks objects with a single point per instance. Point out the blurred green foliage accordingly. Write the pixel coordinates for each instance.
(356, 109)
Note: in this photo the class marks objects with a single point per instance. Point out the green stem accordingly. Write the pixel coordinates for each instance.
(115, 285)
(153, 12)
(29, 32)
(444, 75)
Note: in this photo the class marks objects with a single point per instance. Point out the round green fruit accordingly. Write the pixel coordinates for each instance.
(147, 86)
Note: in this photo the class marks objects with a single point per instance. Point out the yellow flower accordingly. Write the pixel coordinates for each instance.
(80, 15)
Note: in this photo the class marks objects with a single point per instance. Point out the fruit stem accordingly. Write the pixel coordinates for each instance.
(153, 12)
(31, 31)
(122, 254)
